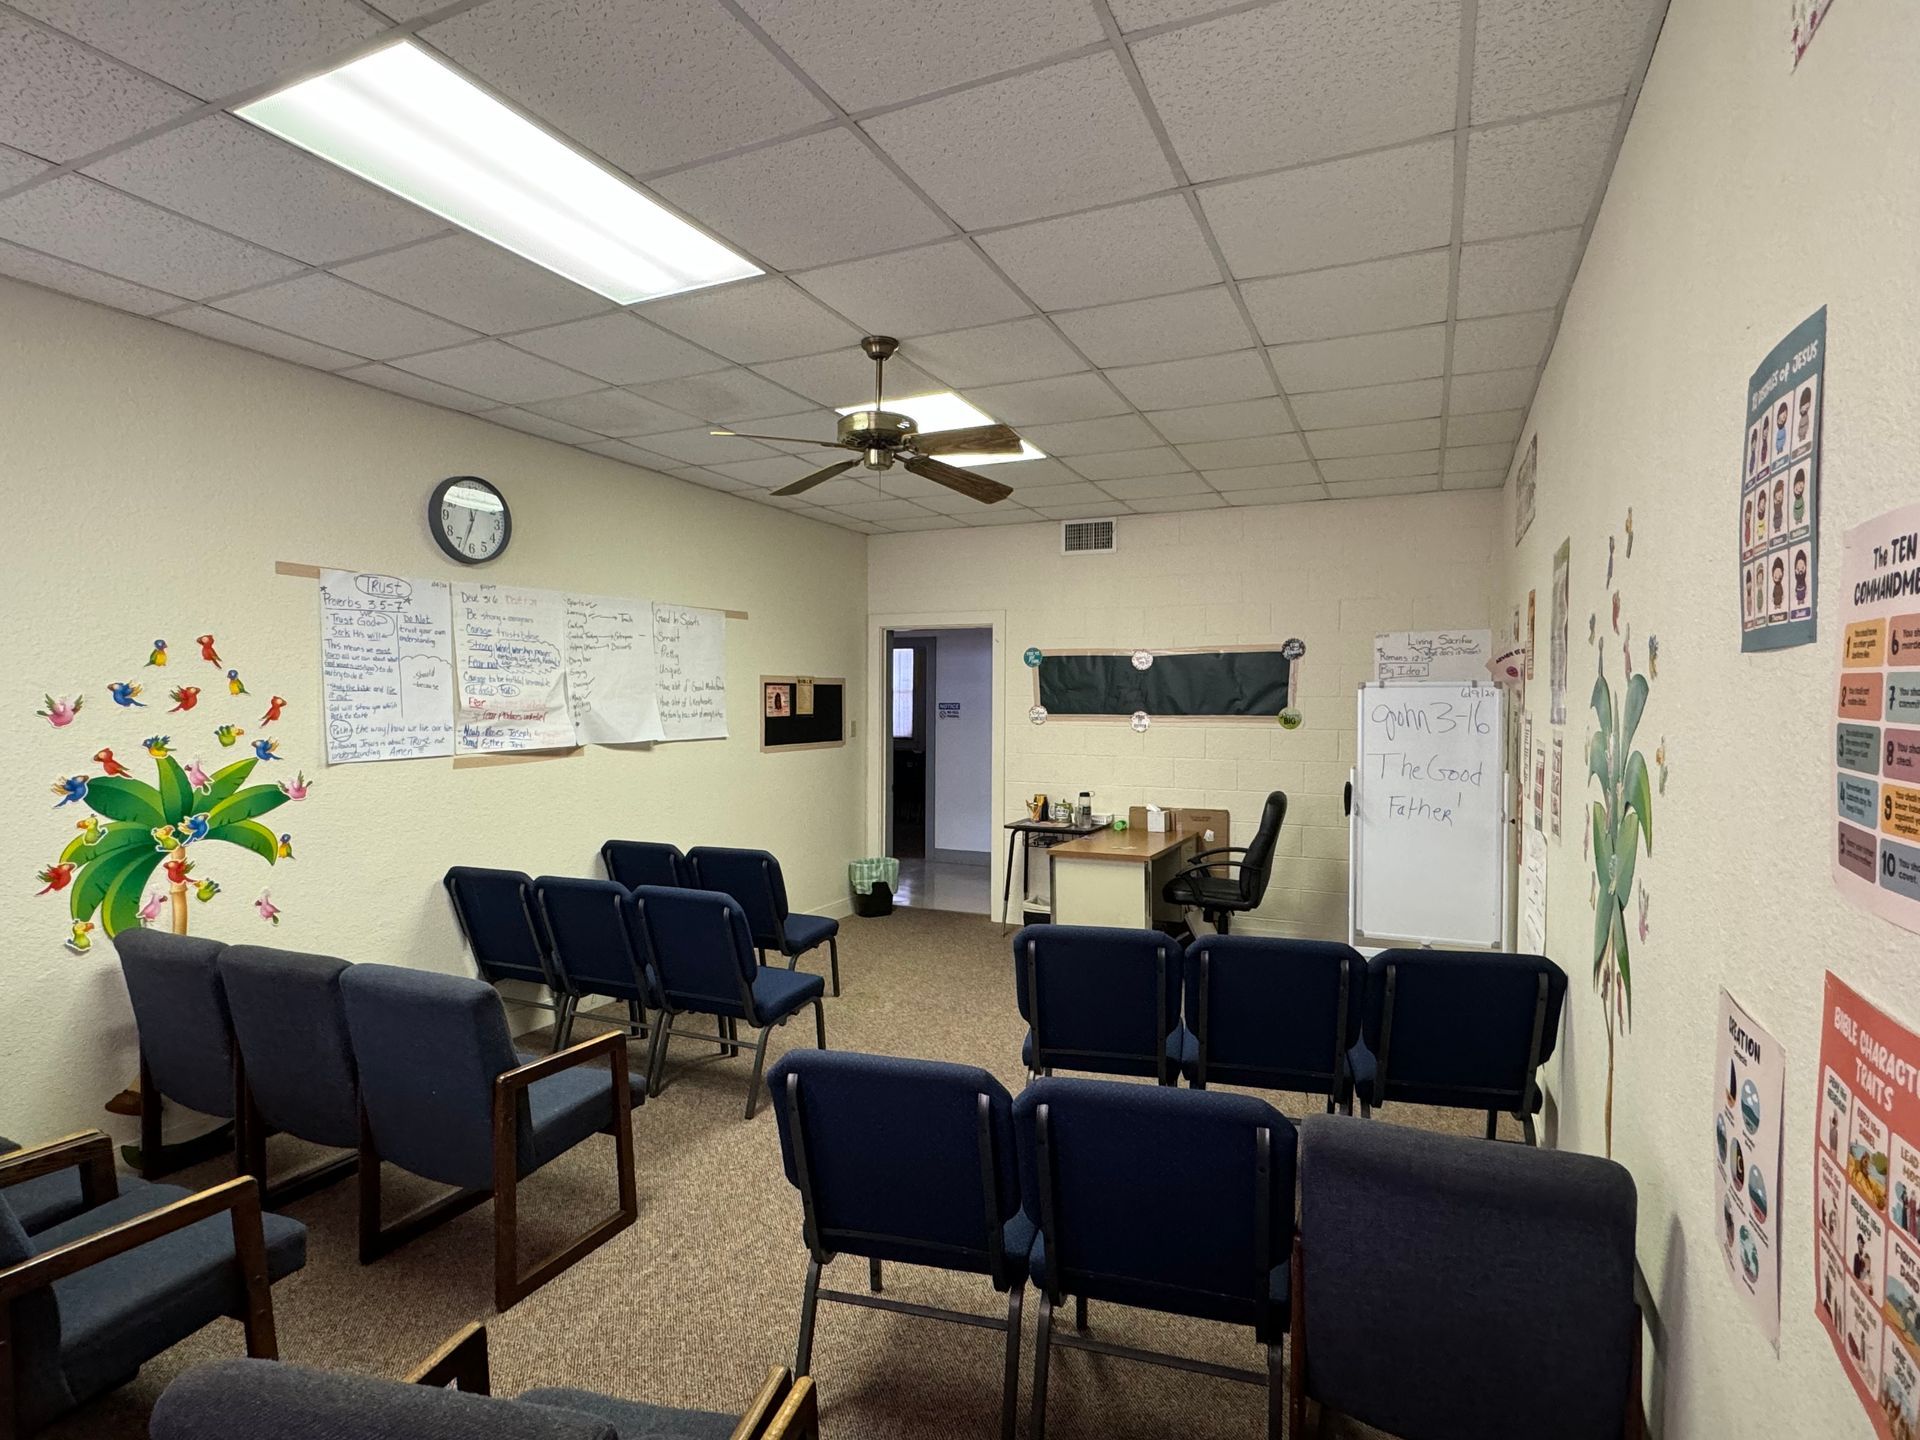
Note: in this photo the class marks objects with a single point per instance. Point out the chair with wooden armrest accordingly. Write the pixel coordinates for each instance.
(87, 1301)
(1220, 897)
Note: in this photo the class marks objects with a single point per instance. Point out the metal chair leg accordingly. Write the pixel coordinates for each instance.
(759, 1062)
(819, 1026)
(1276, 1394)
(1010, 1380)
(809, 1304)
(1493, 1124)
(657, 1054)
(1080, 1313)
(1042, 1344)
(873, 1275)
(833, 959)
(1526, 1130)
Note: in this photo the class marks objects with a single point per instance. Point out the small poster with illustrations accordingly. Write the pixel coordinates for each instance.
(1751, 1087)
(1780, 491)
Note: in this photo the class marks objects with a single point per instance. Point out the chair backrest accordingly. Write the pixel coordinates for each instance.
(40, 1388)
(909, 1160)
(427, 1047)
(1455, 1027)
(753, 878)
(1273, 1013)
(1178, 1200)
(645, 862)
(702, 950)
(1459, 1289)
(593, 932)
(180, 1008)
(1098, 998)
(494, 909)
(292, 1030)
(1256, 866)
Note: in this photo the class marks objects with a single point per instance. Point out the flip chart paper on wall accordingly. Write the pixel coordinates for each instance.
(1533, 894)
(386, 666)
(690, 671)
(511, 646)
(1432, 655)
(610, 664)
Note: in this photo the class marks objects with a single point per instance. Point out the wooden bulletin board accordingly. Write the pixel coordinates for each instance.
(802, 712)
(1216, 684)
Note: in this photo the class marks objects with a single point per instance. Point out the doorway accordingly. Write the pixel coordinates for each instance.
(939, 756)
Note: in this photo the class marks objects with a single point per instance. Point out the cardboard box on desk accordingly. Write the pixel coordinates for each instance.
(1150, 818)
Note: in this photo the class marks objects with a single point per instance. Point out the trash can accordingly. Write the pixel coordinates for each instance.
(873, 881)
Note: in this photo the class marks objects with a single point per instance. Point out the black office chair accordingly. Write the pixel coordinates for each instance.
(1220, 897)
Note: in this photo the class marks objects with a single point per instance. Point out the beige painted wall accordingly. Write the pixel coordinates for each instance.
(1746, 197)
(153, 478)
(1333, 573)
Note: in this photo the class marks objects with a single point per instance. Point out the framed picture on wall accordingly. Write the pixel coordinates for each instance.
(779, 701)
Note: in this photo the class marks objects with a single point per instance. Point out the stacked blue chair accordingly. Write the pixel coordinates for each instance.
(186, 1038)
(907, 1160)
(1173, 1200)
(704, 956)
(1463, 1029)
(595, 947)
(1105, 1000)
(753, 878)
(1274, 1014)
(1445, 1288)
(495, 912)
(444, 1096)
(645, 862)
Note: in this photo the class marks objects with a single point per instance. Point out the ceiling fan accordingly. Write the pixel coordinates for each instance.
(883, 436)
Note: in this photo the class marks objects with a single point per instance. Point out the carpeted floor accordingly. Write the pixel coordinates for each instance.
(691, 1304)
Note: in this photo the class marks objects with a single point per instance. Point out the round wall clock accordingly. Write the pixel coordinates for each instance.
(469, 519)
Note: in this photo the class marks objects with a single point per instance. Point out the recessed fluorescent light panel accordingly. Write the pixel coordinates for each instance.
(404, 121)
(947, 411)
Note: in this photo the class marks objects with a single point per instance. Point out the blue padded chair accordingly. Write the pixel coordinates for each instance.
(1274, 1014)
(186, 1042)
(1464, 1029)
(753, 878)
(495, 912)
(645, 862)
(1100, 999)
(595, 947)
(87, 1301)
(703, 954)
(1172, 1200)
(45, 1199)
(908, 1160)
(296, 1059)
(1449, 1289)
(443, 1096)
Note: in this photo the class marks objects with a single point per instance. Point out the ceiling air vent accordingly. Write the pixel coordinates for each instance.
(1086, 537)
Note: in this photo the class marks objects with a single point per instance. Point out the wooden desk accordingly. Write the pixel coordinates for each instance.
(1114, 877)
(1023, 832)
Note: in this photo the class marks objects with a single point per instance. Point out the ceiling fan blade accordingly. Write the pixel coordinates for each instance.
(790, 439)
(808, 482)
(974, 487)
(974, 440)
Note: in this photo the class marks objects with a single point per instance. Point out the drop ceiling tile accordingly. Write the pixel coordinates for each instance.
(840, 522)
(1251, 450)
(723, 396)
(1474, 480)
(1093, 437)
(1351, 299)
(970, 510)
(1492, 390)
(1489, 429)
(1154, 487)
(1283, 84)
(1532, 55)
(1369, 405)
(1362, 359)
(1139, 14)
(844, 491)
(619, 348)
(241, 180)
(693, 475)
(1177, 504)
(1231, 421)
(844, 377)
(1537, 174)
(818, 424)
(1167, 327)
(930, 522)
(1120, 464)
(1369, 489)
(515, 418)
(978, 152)
(17, 167)
(1374, 439)
(213, 47)
(997, 354)
(1501, 343)
(815, 200)
(754, 321)
(405, 10)
(697, 447)
(1293, 495)
(59, 100)
(619, 413)
(769, 472)
(1262, 477)
(1051, 401)
(218, 325)
(646, 87)
(1207, 379)
(636, 455)
(491, 368)
(916, 292)
(62, 275)
(1467, 458)
(329, 311)
(1382, 467)
(418, 387)
(1081, 510)
(1033, 474)
(475, 283)
(886, 512)
(83, 221)
(1124, 252)
(1532, 272)
(948, 44)
(1083, 493)
(1004, 513)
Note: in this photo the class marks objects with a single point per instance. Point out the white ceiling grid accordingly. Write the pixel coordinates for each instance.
(1203, 254)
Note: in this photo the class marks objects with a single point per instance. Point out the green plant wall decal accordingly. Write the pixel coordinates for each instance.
(1622, 819)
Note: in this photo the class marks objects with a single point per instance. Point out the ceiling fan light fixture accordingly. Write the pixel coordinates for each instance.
(945, 410)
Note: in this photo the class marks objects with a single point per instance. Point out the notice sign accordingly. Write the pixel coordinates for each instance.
(1746, 1147)
(1780, 491)
(1866, 1205)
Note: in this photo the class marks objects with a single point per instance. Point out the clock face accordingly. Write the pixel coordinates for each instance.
(469, 519)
